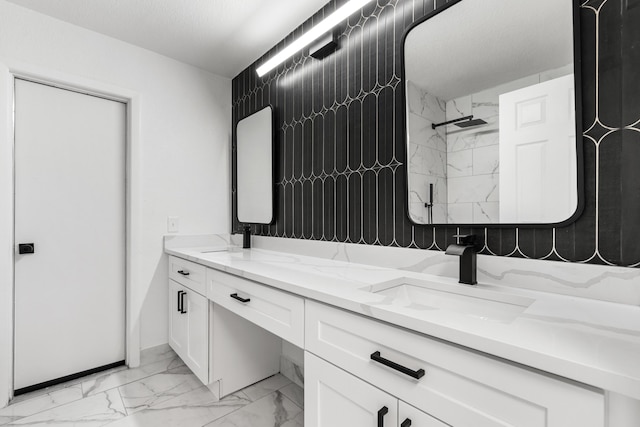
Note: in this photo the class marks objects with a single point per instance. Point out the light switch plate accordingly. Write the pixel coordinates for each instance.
(172, 224)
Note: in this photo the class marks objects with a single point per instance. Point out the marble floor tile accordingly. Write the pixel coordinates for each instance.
(161, 393)
(157, 389)
(264, 387)
(93, 411)
(156, 354)
(156, 357)
(108, 380)
(193, 409)
(37, 393)
(275, 409)
(295, 393)
(61, 386)
(40, 403)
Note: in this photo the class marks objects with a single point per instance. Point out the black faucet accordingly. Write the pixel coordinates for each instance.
(246, 237)
(466, 249)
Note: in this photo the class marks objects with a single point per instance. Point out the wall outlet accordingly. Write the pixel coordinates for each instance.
(172, 224)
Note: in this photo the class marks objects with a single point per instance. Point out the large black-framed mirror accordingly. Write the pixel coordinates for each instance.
(492, 119)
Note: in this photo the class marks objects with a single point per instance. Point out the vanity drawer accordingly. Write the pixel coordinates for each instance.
(458, 386)
(188, 273)
(276, 311)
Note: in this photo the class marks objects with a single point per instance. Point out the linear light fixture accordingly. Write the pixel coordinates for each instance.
(327, 24)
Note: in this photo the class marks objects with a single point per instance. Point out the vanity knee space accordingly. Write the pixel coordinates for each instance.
(278, 312)
(229, 330)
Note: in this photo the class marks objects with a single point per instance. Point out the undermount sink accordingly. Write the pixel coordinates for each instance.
(422, 295)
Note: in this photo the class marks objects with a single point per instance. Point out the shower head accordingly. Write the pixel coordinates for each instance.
(471, 122)
(462, 122)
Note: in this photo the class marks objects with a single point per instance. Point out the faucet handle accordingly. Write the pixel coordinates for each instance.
(466, 239)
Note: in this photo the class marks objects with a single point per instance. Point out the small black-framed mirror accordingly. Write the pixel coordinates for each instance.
(493, 112)
(254, 167)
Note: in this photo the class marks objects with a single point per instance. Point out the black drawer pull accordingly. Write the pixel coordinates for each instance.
(406, 423)
(393, 365)
(381, 413)
(184, 273)
(180, 301)
(182, 309)
(244, 300)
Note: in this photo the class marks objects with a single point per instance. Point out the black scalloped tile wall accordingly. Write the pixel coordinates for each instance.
(339, 147)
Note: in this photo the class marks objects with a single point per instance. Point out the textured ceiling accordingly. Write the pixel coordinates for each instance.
(222, 36)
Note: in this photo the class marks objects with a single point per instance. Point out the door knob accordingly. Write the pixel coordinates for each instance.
(26, 248)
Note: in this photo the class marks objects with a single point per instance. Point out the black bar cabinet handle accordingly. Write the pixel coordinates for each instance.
(182, 309)
(184, 273)
(393, 365)
(235, 296)
(381, 413)
(406, 423)
(179, 303)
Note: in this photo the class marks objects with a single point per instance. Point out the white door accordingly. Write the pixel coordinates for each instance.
(538, 178)
(334, 398)
(70, 203)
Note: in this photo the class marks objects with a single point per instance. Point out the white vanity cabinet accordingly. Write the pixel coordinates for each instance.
(217, 344)
(189, 315)
(457, 386)
(189, 328)
(360, 371)
(335, 398)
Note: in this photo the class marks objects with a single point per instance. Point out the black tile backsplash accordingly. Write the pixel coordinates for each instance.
(339, 147)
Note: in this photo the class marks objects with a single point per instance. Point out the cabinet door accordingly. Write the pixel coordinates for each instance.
(413, 417)
(197, 330)
(334, 398)
(177, 322)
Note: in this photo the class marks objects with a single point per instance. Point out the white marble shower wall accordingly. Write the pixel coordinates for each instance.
(472, 160)
(427, 151)
(473, 153)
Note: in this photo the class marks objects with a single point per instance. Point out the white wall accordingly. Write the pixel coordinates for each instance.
(185, 132)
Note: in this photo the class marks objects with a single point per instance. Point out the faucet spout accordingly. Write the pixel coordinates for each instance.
(246, 237)
(467, 252)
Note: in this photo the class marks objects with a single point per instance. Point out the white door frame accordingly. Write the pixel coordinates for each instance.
(8, 72)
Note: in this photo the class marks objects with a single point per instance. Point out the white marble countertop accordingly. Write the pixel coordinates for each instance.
(590, 341)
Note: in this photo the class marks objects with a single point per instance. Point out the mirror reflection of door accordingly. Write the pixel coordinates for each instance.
(537, 152)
